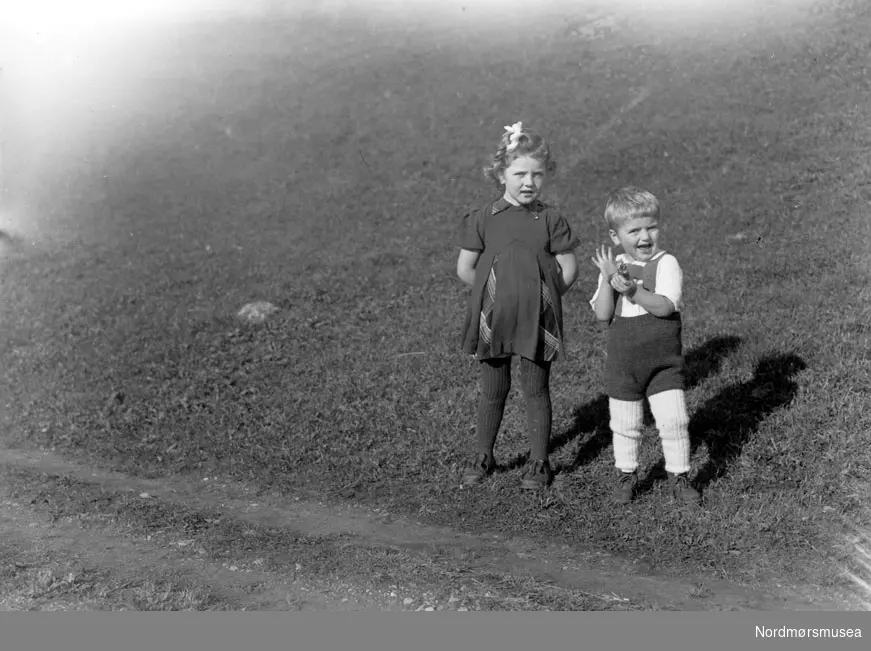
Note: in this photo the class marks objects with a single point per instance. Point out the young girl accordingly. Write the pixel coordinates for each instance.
(517, 255)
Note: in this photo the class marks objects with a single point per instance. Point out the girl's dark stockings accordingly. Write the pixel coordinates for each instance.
(495, 386)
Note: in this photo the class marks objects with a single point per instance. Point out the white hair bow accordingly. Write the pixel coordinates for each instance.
(515, 130)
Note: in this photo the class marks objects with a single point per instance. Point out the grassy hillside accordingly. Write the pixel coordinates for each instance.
(322, 164)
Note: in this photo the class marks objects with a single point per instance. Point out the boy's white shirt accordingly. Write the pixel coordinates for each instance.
(669, 283)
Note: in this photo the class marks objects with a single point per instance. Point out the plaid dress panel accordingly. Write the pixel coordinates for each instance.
(548, 328)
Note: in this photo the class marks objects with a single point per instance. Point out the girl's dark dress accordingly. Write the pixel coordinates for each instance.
(515, 306)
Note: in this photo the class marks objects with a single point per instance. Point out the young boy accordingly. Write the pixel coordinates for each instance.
(639, 295)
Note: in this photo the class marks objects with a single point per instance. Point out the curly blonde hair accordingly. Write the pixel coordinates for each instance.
(529, 143)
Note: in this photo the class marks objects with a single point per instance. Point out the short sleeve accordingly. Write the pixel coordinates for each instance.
(669, 280)
(562, 238)
(471, 231)
(598, 289)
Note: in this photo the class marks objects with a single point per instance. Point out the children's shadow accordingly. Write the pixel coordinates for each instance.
(726, 422)
(593, 417)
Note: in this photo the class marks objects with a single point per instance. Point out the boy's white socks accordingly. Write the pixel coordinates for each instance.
(670, 412)
(627, 418)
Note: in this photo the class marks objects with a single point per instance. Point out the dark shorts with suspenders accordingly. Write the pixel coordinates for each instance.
(645, 353)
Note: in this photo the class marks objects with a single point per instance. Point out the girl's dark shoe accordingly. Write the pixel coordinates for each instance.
(482, 466)
(536, 475)
(683, 490)
(624, 490)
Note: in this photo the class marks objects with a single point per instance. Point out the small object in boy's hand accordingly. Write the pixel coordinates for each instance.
(623, 269)
(619, 283)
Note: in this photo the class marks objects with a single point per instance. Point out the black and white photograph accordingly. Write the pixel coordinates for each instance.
(436, 305)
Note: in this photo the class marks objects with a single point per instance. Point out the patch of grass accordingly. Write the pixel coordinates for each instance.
(124, 350)
(328, 559)
(38, 580)
(167, 596)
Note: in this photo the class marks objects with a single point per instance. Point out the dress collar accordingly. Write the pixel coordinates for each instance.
(501, 204)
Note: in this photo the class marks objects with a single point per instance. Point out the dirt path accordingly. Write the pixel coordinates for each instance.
(598, 575)
(67, 545)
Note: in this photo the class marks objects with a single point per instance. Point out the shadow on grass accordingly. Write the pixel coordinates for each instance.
(592, 417)
(726, 422)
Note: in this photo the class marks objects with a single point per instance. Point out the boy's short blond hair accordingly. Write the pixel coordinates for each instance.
(629, 202)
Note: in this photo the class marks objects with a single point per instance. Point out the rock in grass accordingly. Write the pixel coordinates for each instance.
(257, 312)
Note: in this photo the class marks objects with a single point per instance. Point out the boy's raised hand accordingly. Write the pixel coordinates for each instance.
(604, 260)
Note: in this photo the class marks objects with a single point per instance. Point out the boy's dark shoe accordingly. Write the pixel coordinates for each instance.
(482, 466)
(624, 490)
(537, 474)
(683, 490)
